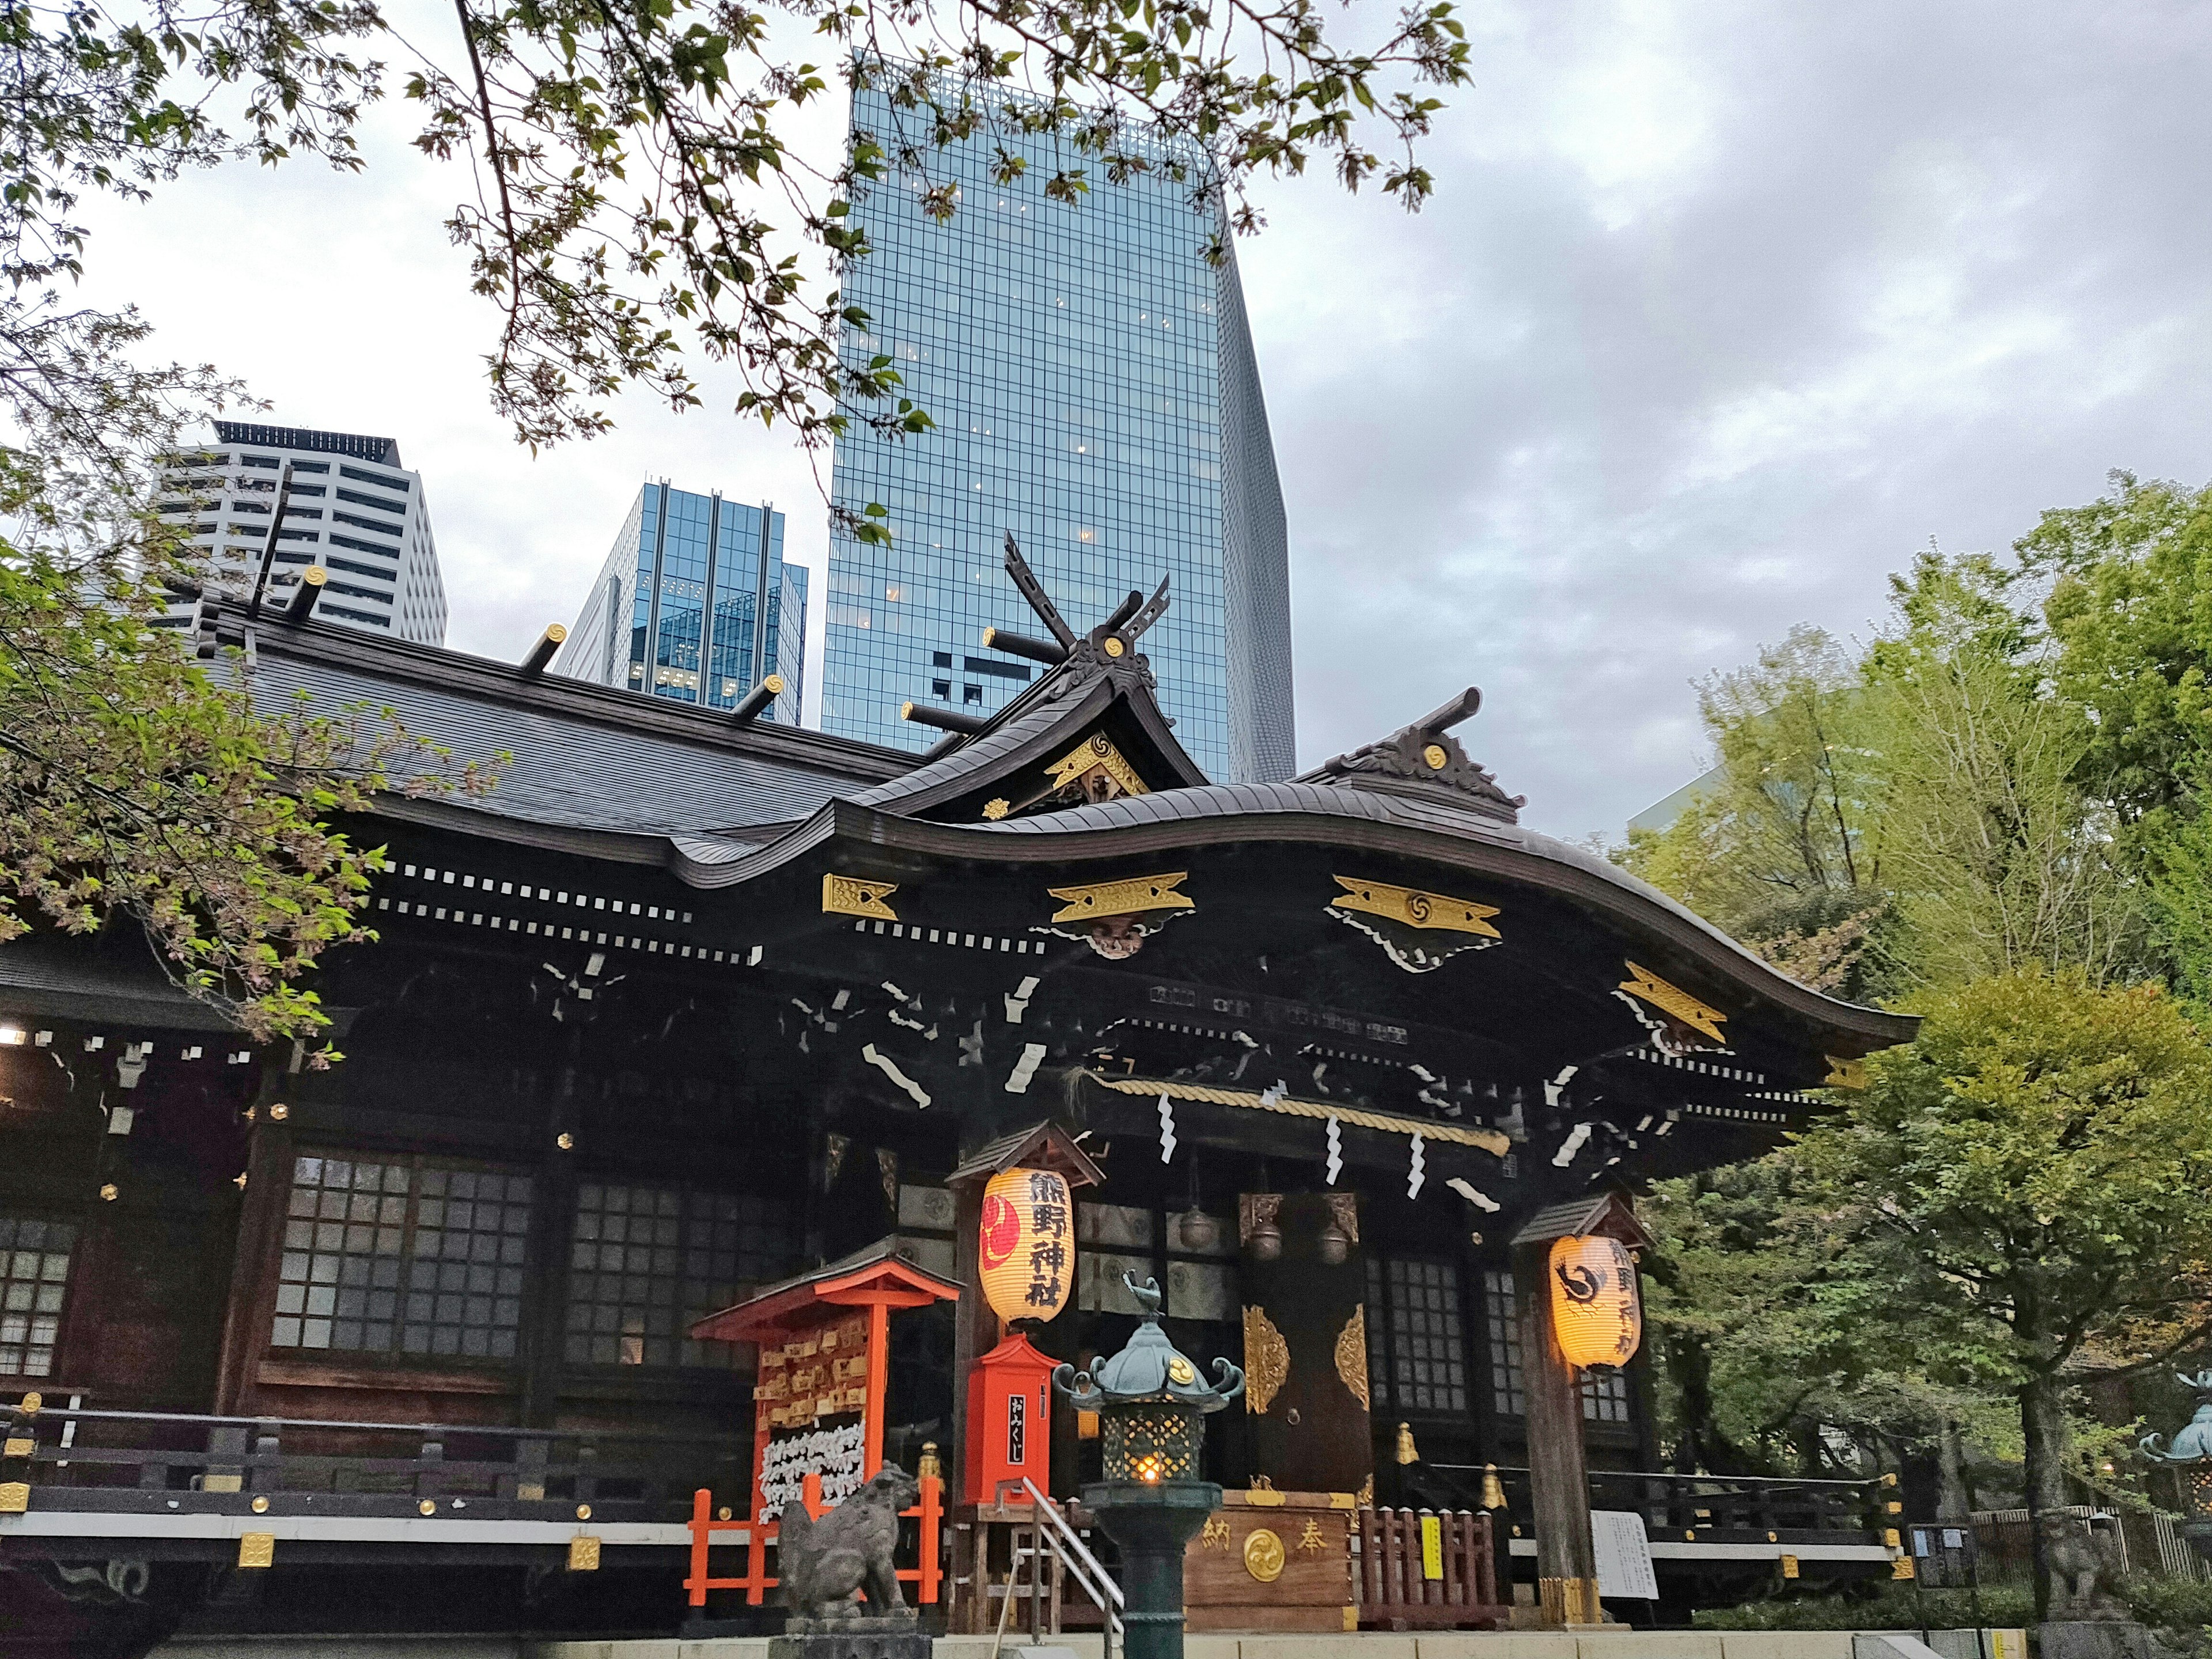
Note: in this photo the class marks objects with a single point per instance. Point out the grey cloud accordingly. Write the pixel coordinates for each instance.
(1661, 374)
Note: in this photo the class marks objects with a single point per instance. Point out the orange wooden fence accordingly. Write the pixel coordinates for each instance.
(927, 1577)
(1453, 1583)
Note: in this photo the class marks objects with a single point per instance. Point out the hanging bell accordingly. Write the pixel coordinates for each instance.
(1266, 1240)
(1201, 1231)
(1334, 1245)
(1493, 1489)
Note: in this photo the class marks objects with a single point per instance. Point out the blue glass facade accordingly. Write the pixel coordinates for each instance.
(694, 603)
(1074, 359)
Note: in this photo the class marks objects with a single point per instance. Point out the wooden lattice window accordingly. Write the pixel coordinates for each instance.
(35, 1264)
(408, 1256)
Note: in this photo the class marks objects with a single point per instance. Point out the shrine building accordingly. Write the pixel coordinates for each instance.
(654, 1174)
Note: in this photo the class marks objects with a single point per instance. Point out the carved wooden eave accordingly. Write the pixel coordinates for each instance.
(1607, 1213)
(1040, 1146)
(1124, 834)
(878, 1273)
(1038, 747)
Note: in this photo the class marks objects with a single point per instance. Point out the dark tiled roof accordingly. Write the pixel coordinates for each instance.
(89, 980)
(582, 756)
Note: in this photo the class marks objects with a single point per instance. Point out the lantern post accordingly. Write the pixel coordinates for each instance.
(1566, 1295)
(1149, 1399)
(975, 1329)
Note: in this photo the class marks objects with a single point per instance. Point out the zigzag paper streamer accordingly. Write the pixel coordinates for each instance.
(1414, 1176)
(1336, 1150)
(1167, 1127)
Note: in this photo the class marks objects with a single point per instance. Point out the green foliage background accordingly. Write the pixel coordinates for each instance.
(1991, 812)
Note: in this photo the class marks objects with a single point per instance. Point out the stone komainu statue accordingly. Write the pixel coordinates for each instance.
(2085, 1565)
(824, 1562)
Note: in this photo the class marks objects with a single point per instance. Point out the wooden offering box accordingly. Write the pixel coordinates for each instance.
(1273, 1561)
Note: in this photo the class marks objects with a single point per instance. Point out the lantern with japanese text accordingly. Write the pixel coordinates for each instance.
(1596, 1308)
(1028, 1244)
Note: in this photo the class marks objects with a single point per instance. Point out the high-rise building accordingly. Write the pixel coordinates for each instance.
(680, 560)
(348, 506)
(1091, 379)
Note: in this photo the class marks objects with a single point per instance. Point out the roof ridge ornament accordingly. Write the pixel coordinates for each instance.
(1425, 760)
(1110, 649)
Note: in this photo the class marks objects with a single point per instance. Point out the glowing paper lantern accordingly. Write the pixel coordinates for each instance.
(1595, 1305)
(1028, 1243)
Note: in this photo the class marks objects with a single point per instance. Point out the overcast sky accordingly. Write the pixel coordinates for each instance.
(1723, 310)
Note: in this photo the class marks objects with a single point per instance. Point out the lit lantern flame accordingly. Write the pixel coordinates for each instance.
(1596, 1308)
(1027, 1245)
(1148, 1468)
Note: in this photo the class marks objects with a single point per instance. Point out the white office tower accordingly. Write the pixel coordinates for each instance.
(345, 503)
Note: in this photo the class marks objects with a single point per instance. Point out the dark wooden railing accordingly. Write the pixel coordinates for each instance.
(171, 1463)
(1687, 1506)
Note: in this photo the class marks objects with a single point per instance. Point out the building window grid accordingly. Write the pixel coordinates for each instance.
(1005, 383)
(1605, 1394)
(647, 1261)
(412, 1257)
(1417, 1341)
(35, 1264)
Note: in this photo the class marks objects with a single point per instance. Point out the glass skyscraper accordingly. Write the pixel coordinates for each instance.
(694, 603)
(1094, 391)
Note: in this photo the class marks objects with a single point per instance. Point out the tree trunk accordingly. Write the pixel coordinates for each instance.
(2043, 1426)
(1955, 1498)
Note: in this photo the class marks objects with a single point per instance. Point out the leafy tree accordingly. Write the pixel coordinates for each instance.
(2030, 1179)
(636, 197)
(136, 785)
(1775, 848)
(1996, 856)
(2129, 607)
(1757, 1371)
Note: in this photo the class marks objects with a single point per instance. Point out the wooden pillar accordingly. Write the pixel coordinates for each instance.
(879, 1366)
(1559, 1474)
(974, 1327)
(552, 1224)
(262, 1207)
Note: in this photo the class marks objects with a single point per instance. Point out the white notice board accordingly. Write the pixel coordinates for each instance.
(1624, 1555)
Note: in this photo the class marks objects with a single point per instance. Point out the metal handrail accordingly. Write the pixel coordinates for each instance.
(1088, 1570)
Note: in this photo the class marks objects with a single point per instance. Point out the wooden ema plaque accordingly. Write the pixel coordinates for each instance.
(1273, 1561)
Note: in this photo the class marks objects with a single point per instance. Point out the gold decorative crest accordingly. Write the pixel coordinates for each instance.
(996, 808)
(257, 1549)
(1096, 753)
(1122, 898)
(583, 1553)
(1352, 1355)
(1648, 986)
(1264, 1555)
(1413, 908)
(1844, 1073)
(1266, 1361)
(1182, 1372)
(850, 896)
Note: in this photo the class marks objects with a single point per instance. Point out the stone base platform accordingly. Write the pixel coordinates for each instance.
(1367, 1645)
(845, 1638)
